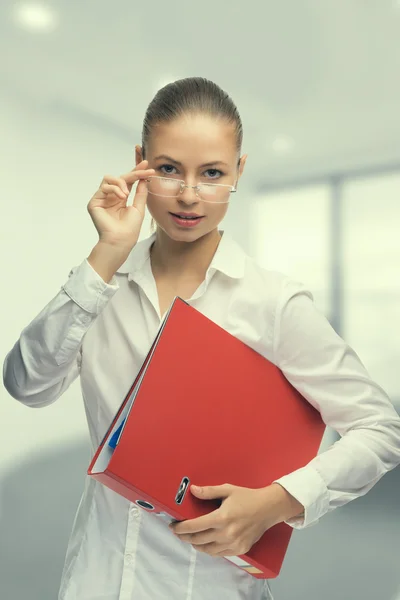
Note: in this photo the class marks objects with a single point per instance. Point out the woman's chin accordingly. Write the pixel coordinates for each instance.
(185, 236)
(181, 234)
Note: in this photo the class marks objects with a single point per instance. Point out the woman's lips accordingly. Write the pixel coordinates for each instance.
(190, 221)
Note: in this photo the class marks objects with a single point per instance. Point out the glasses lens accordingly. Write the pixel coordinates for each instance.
(162, 186)
(212, 192)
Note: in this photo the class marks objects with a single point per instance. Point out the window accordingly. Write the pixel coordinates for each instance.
(371, 269)
(290, 233)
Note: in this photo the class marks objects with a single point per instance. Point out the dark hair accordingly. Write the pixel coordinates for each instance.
(190, 96)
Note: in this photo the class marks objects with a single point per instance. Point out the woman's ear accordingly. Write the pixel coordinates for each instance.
(138, 154)
(242, 163)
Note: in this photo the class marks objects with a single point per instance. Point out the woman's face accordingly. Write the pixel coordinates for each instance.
(196, 149)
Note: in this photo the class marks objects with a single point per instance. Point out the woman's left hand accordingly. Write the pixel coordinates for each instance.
(243, 517)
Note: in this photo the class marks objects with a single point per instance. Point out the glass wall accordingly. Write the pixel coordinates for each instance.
(291, 234)
(371, 275)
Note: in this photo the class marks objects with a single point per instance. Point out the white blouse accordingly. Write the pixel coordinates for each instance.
(102, 333)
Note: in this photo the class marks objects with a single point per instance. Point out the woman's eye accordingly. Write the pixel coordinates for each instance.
(167, 169)
(209, 174)
(214, 173)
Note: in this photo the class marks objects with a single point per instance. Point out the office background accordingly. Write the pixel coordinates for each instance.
(317, 85)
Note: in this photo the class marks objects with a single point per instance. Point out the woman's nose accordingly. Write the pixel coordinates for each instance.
(188, 195)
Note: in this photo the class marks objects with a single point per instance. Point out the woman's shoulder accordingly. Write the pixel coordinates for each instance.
(274, 282)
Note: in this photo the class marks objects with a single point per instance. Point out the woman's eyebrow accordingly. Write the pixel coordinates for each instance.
(176, 162)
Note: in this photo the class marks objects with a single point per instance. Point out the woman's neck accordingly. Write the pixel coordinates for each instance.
(181, 259)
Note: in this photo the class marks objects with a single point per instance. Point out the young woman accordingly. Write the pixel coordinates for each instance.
(103, 321)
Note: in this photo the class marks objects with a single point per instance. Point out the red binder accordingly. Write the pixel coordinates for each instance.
(207, 409)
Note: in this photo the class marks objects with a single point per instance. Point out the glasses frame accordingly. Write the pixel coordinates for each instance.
(183, 185)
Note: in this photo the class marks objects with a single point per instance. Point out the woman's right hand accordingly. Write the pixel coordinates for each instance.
(118, 224)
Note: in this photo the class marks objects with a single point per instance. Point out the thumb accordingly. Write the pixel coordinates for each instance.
(139, 201)
(211, 492)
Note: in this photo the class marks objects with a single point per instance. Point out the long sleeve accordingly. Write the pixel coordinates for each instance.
(45, 360)
(329, 374)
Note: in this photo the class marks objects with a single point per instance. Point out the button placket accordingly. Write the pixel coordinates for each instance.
(132, 536)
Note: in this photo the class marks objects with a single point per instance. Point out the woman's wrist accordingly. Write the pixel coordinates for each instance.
(288, 506)
(106, 259)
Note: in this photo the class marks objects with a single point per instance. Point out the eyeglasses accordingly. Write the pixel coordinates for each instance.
(172, 188)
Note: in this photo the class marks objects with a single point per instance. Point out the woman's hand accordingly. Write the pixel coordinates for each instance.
(118, 224)
(243, 517)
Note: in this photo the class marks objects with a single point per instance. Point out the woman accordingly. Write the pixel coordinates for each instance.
(102, 323)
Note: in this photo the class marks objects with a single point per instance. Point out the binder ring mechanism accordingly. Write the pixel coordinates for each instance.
(184, 485)
(144, 504)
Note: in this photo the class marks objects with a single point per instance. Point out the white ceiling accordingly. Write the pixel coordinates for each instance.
(325, 73)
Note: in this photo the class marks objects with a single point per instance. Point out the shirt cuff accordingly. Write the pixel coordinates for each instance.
(307, 487)
(88, 290)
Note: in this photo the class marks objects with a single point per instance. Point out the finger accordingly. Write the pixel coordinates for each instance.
(211, 492)
(199, 539)
(226, 552)
(133, 176)
(210, 521)
(140, 199)
(109, 179)
(107, 188)
(213, 549)
(141, 165)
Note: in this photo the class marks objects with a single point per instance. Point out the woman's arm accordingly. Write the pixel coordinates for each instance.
(45, 360)
(329, 374)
